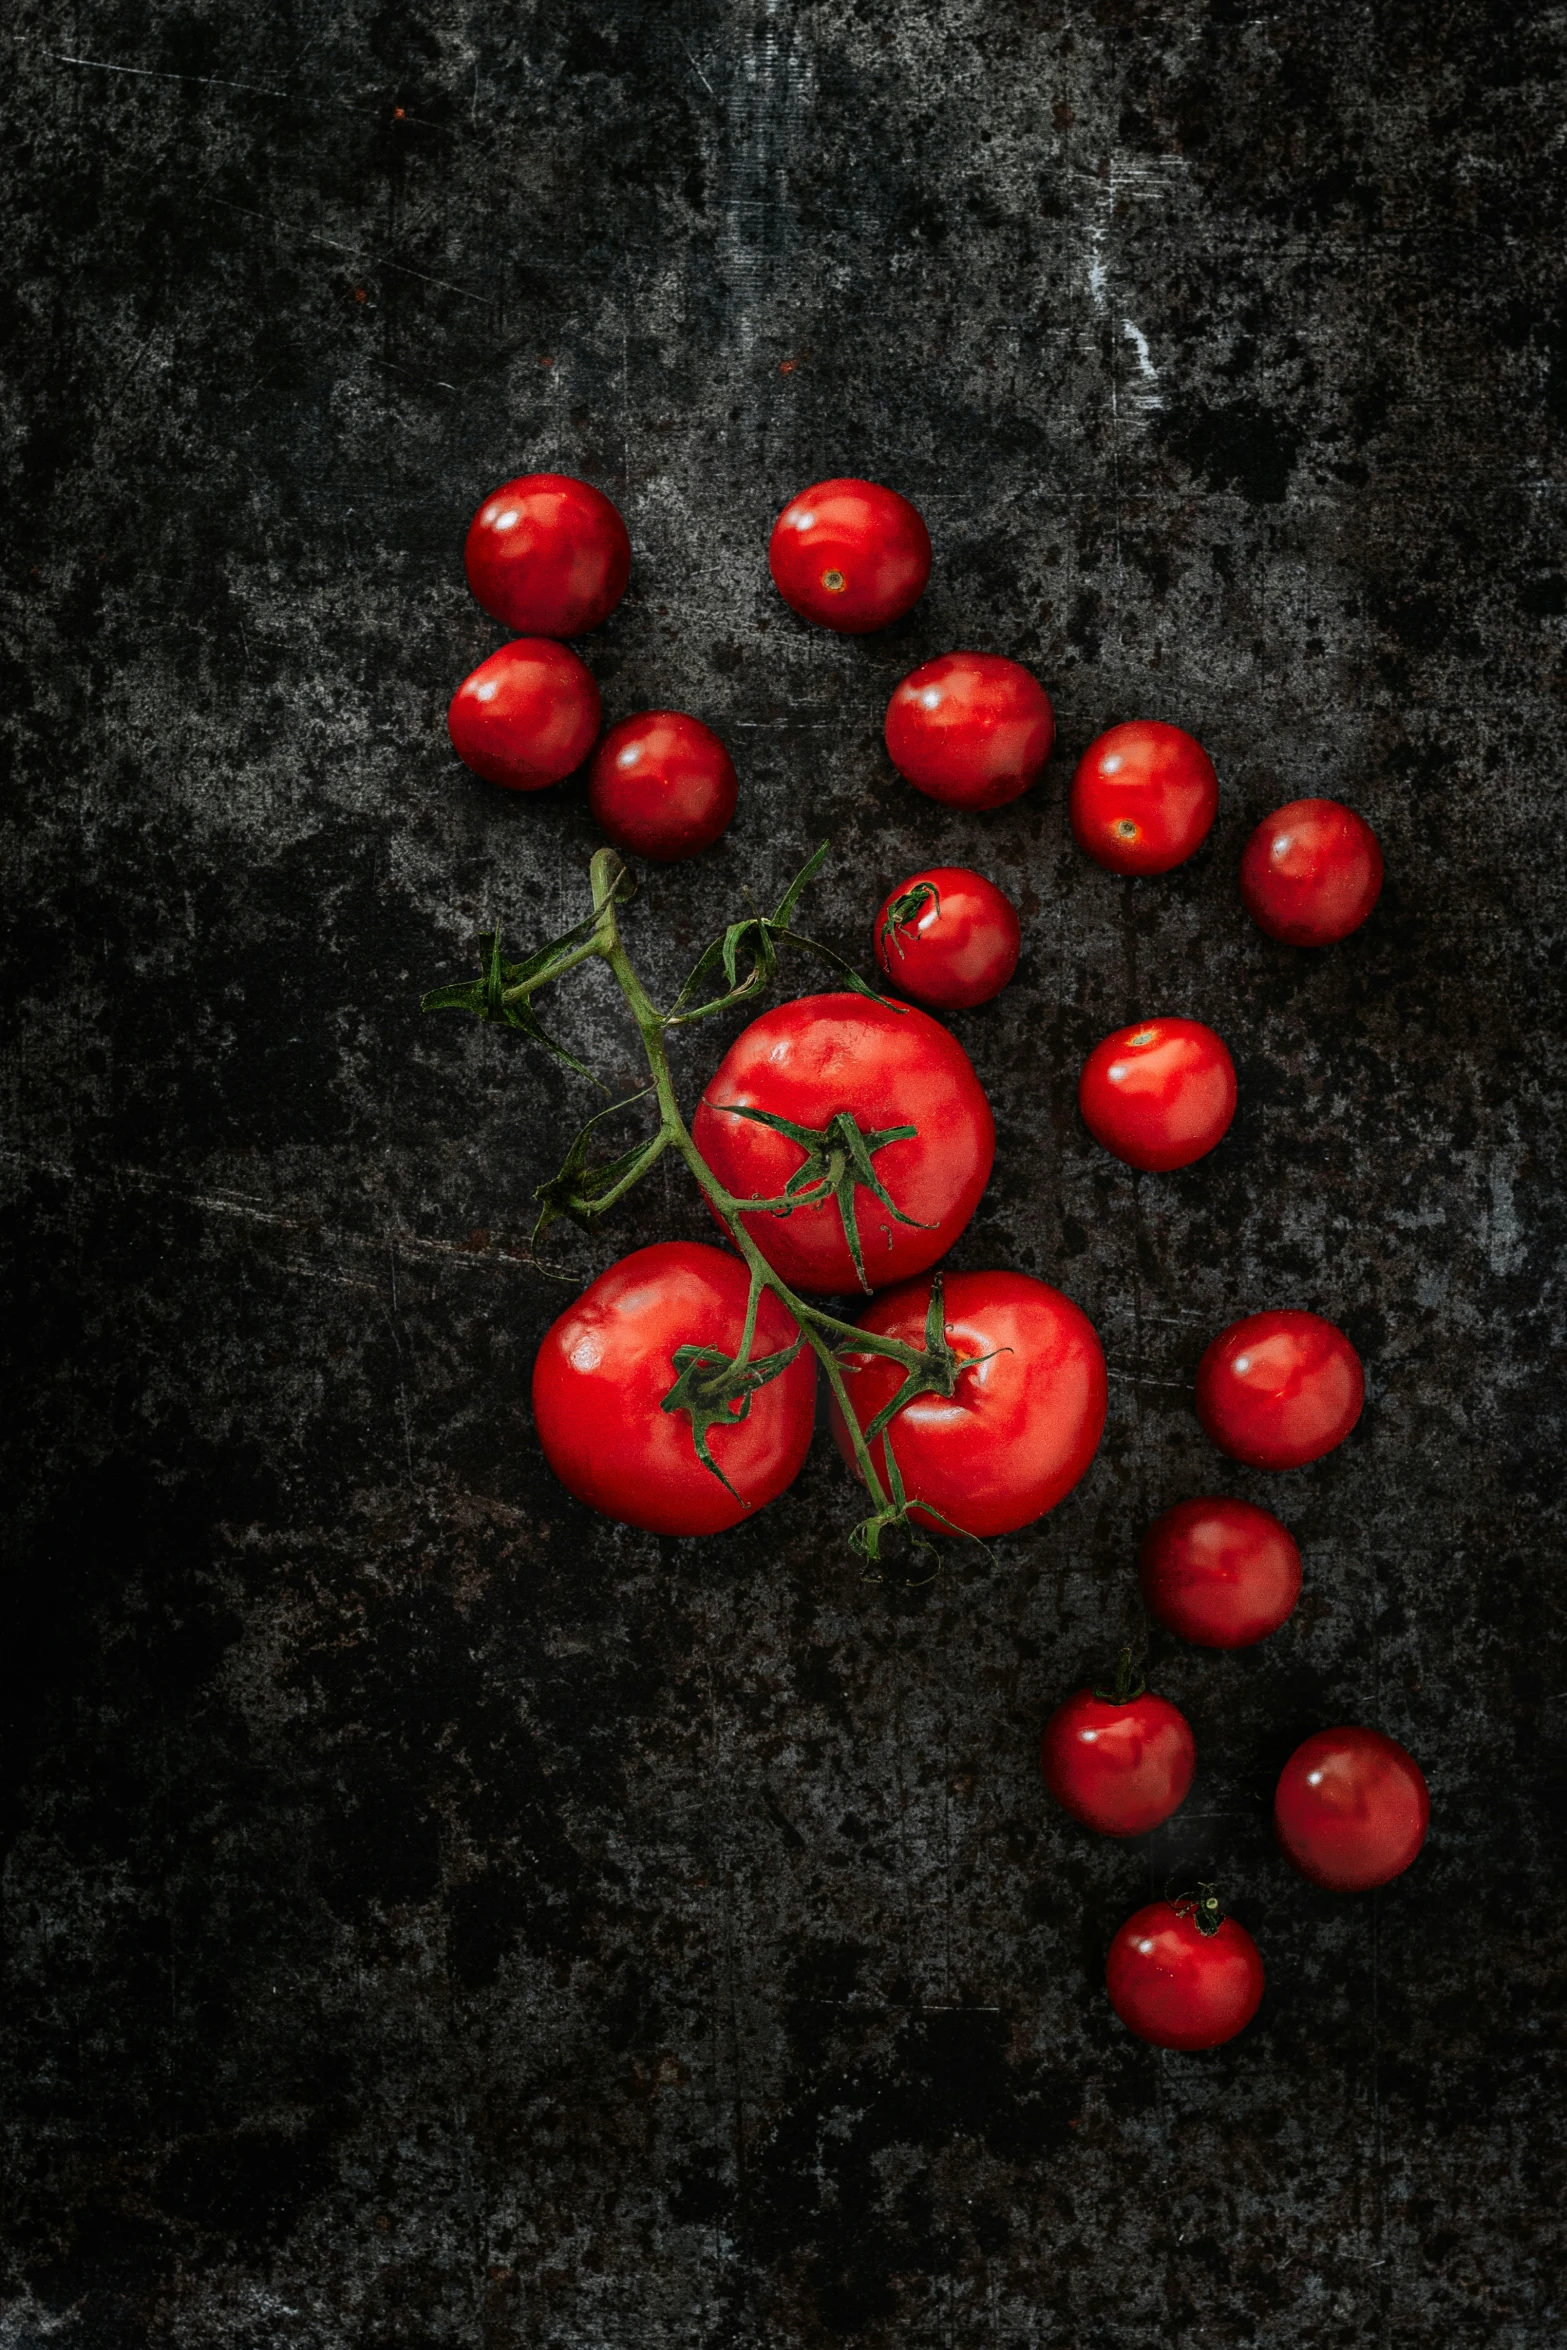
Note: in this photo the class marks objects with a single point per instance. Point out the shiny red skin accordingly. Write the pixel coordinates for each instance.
(1118, 1768)
(1311, 873)
(662, 786)
(1159, 1094)
(970, 729)
(1144, 797)
(961, 947)
(1218, 1572)
(1177, 1987)
(1280, 1389)
(1017, 1432)
(806, 1061)
(603, 1370)
(527, 716)
(548, 555)
(1351, 1809)
(870, 541)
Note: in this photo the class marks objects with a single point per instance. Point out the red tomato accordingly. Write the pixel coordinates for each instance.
(1019, 1428)
(1178, 1986)
(1352, 1809)
(1311, 872)
(1144, 797)
(525, 717)
(1278, 1390)
(850, 555)
(947, 937)
(662, 785)
(828, 1057)
(548, 555)
(970, 729)
(1118, 1764)
(1160, 1094)
(605, 1368)
(1220, 1572)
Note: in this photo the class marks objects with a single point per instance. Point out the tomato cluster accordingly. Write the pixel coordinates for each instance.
(844, 1142)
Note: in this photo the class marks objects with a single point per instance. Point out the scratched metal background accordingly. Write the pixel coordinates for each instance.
(435, 1917)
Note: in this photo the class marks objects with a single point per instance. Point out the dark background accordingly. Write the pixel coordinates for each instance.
(434, 1916)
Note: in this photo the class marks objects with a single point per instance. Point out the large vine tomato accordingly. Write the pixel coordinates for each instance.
(1025, 1412)
(867, 1121)
(621, 1410)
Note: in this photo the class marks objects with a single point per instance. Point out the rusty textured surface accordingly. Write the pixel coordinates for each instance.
(434, 1917)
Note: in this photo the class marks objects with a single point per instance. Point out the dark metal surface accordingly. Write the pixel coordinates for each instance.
(435, 1917)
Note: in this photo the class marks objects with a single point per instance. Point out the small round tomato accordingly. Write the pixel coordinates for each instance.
(1158, 1095)
(1182, 1975)
(1280, 1389)
(1144, 797)
(948, 937)
(662, 785)
(1024, 1418)
(548, 555)
(527, 716)
(850, 555)
(970, 729)
(835, 1102)
(1120, 1759)
(603, 1378)
(1222, 1573)
(1351, 1809)
(1311, 873)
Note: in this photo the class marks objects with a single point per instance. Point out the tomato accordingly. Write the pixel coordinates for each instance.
(850, 555)
(1311, 873)
(947, 937)
(1120, 1760)
(1278, 1390)
(602, 1377)
(1351, 1809)
(1024, 1420)
(1179, 1980)
(548, 555)
(970, 729)
(527, 716)
(1144, 797)
(1158, 1094)
(1223, 1573)
(828, 1065)
(662, 785)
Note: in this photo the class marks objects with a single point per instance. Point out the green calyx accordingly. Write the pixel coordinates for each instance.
(1202, 1907)
(715, 1392)
(837, 1163)
(905, 911)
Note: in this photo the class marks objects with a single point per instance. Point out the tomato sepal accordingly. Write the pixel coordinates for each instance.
(837, 1162)
(1201, 1905)
(756, 938)
(710, 1383)
(1127, 1687)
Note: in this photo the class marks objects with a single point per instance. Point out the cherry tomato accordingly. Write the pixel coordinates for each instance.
(970, 729)
(1144, 797)
(1179, 1983)
(548, 555)
(1280, 1389)
(525, 717)
(1220, 1572)
(662, 785)
(1159, 1094)
(1120, 1760)
(850, 555)
(842, 1073)
(947, 937)
(1311, 873)
(1023, 1421)
(605, 1369)
(1352, 1809)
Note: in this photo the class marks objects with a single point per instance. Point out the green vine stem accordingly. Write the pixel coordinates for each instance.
(708, 1384)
